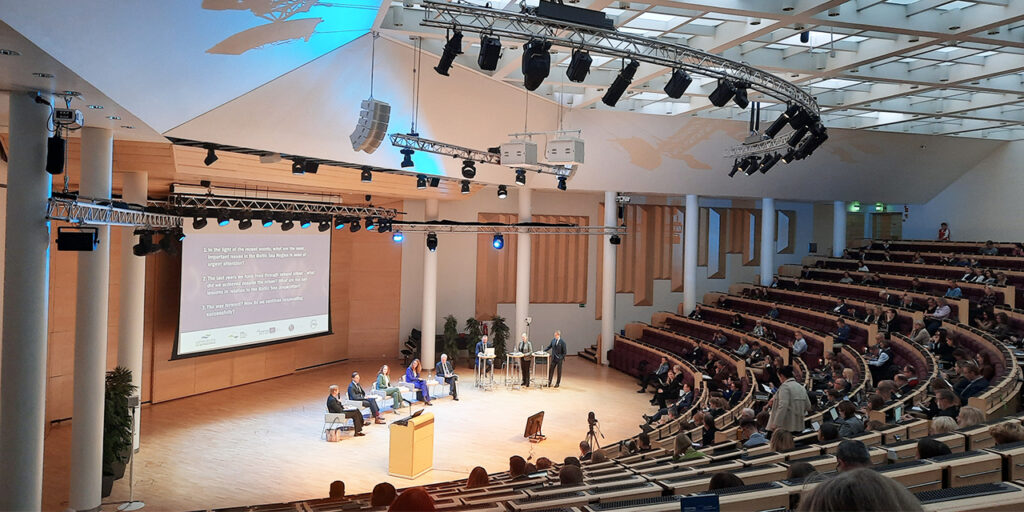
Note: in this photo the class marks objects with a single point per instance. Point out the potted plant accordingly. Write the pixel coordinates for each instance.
(451, 338)
(473, 334)
(117, 425)
(499, 335)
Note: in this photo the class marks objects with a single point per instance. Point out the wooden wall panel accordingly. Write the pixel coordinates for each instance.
(677, 249)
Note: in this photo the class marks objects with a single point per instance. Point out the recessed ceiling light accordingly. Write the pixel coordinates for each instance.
(127, 127)
(114, 118)
(96, 107)
(11, 53)
(42, 75)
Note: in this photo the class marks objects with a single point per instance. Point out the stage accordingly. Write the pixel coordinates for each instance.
(260, 443)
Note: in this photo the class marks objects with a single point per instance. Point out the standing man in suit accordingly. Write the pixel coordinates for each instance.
(526, 348)
(356, 392)
(445, 371)
(557, 349)
(334, 406)
(481, 347)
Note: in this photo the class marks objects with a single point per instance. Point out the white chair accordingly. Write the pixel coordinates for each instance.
(334, 420)
(442, 389)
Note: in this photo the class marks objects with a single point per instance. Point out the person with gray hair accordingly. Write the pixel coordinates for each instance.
(446, 371)
(335, 406)
(859, 489)
(852, 454)
(747, 414)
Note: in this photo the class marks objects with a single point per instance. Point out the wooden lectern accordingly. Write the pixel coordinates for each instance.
(412, 447)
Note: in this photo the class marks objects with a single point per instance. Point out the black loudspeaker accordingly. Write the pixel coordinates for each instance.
(55, 150)
(77, 239)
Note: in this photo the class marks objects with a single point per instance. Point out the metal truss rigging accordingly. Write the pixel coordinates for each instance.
(93, 212)
(764, 147)
(192, 203)
(488, 228)
(442, 148)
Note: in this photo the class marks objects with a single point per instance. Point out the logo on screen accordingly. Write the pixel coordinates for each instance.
(291, 327)
(313, 324)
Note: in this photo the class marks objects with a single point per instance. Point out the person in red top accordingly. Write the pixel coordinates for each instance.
(943, 231)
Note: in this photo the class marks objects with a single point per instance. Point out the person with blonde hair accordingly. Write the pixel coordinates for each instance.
(861, 489)
(384, 384)
(782, 440)
(598, 457)
(970, 416)
(1008, 432)
(942, 425)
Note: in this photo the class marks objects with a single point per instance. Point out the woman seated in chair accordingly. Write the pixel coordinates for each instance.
(412, 376)
(384, 384)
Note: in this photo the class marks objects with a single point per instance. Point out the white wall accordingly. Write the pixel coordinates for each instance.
(987, 202)
(457, 268)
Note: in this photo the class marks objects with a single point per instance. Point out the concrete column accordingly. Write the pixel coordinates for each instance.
(691, 215)
(26, 287)
(429, 322)
(133, 291)
(608, 280)
(91, 303)
(838, 228)
(523, 256)
(767, 240)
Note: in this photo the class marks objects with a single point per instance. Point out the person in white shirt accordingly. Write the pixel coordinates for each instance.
(799, 344)
(934, 320)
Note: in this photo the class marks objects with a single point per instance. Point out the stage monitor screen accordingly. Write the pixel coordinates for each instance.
(245, 288)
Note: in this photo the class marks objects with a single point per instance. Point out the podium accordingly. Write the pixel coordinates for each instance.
(412, 447)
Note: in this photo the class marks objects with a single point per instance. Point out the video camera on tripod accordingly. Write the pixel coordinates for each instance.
(593, 430)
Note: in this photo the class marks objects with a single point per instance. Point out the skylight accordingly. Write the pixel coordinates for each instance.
(900, 2)
(854, 39)
(958, 4)
(985, 54)
(650, 96)
(834, 83)
(816, 39)
(653, 16)
(640, 32)
(704, 22)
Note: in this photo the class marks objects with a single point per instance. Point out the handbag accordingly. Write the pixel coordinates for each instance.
(333, 435)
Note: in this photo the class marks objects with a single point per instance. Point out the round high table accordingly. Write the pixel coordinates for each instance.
(485, 376)
(540, 379)
(513, 370)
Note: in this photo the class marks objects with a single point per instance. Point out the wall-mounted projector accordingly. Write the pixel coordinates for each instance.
(68, 117)
(565, 151)
(372, 126)
(519, 153)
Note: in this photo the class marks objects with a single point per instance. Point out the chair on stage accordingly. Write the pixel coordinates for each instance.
(333, 420)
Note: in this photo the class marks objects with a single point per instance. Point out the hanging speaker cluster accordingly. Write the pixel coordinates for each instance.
(372, 126)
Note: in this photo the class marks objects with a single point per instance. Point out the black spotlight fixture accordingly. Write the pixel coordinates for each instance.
(370, 223)
(145, 245)
(740, 98)
(468, 169)
(211, 156)
(298, 166)
(311, 166)
(561, 183)
(199, 223)
(366, 176)
(287, 224)
(521, 177)
(168, 243)
(498, 242)
(465, 186)
(817, 136)
(750, 166)
(800, 118)
(244, 224)
(781, 122)
(490, 52)
(622, 81)
(452, 49)
(421, 182)
(431, 241)
(579, 66)
(614, 240)
(677, 85)
(502, 191)
(736, 164)
(723, 93)
(324, 226)
(339, 223)
(435, 182)
(789, 156)
(56, 147)
(797, 136)
(267, 221)
(407, 157)
(354, 226)
(305, 222)
(768, 162)
(222, 218)
(536, 63)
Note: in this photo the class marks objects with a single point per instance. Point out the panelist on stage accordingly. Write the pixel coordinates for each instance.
(481, 348)
(334, 406)
(557, 349)
(384, 384)
(412, 376)
(356, 392)
(445, 371)
(526, 348)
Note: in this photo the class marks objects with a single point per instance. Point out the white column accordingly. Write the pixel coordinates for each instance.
(93, 289)
(608, 280)
(691, 215)
(26, 287)
(131, 316)
(767, 240)
(838, 228)
(523, 255)
(429, 321)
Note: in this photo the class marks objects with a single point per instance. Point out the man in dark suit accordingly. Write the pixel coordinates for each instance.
(356, 392)
(557, 349)
(842, 308)
(481, 347)
(975, 382)
(658, 376)
(447, 372)
(334, 406)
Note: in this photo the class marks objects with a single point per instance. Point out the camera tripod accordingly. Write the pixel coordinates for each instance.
(591, 438)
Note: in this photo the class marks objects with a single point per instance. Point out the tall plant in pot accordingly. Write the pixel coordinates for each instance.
(117, 425)
(451, 338)
(473, 333)
(499, 335)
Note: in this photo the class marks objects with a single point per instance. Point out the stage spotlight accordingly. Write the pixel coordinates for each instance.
(167, 243)
(614, 240)
(366, 176)
(502, 191)
(311, 166)
(768, 162)
(354, 226)
(298, 167)
(468, 169)
(621, 83)
(304, 223)
(490, 52)
(797, 136)
(421, 182)
(268, 221)
(145, 245)
(199, 223)
(521, 177)
(816, 138)
(789, 156)
(211, 156)
(324, 225)
(723, 93)
(498, 242)
(740, 99)
(452, 49)
(244, 224)
(431, 241)
(407, 158)
(179, 235)
(465, 186)
(805, 37)
(677, 85)
(385, 225)
(339, 223)
(561, 183)
(735, 168)
(579, 66)
(800, 118)
(223, 219)
(435, 182)
(750, 167)
(781, 122)
(369, 223)
(286, 225)
(536, 63)
(397, 236)
(56, 148)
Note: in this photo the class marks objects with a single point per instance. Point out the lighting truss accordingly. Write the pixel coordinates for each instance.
(197, 202)
(532, 228)
(764, 147)
(94, 212)
(402, 140)
(524, 27)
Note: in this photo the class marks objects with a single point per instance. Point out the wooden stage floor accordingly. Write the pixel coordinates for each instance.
(260, 443)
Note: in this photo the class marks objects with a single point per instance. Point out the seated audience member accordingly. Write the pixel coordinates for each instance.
(889, 323)
(970, 416)
(841, 308)
(989, 249)
(976, 383)
(799, 470)
(684, 450)
(871, 279)
(545, 463)
(530, 469)
(412, 499)
(1008, 432)
(1002, 330)
(934, 320)
(846, 279)
(852, 454)
(872, 314)
(697, 313)
(984, 321)
(862, 490)
(907, 302)
(570, 475)
(928, 448)
(909, 372)
(875, 403)
(357, 393)
(782, 441)
(841, 386)
(337, 489)
(643, 444)
(919, 334)
(585, 451)
(708, 435)
(751, 435)
(916, 285)
(945, 402)
(953, 290)
(598, 457)
(828, 432)
(670, 390)
(886, 390)
(574, 461)
(880, 362)
(917, 259)
(756, 358)
(737, 321)
(902, 384)
(719, 339)
(732, 394)
(942, 425)
(477, 478)
(516, 466)
(849, 424)
(747, 414)
(334, 406)
(842, 332)
(743, 349)
(659, 377)
(799, 344)
(773, 313)
(383, 495)
(1000, 279)
(942, 345)
(724, 480)
(862, 266)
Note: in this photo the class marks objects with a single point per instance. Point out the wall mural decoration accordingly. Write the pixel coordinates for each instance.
(648, 154)
(289, 21)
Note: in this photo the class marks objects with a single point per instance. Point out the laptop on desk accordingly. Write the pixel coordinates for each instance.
(405, 421)
(489, 352)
